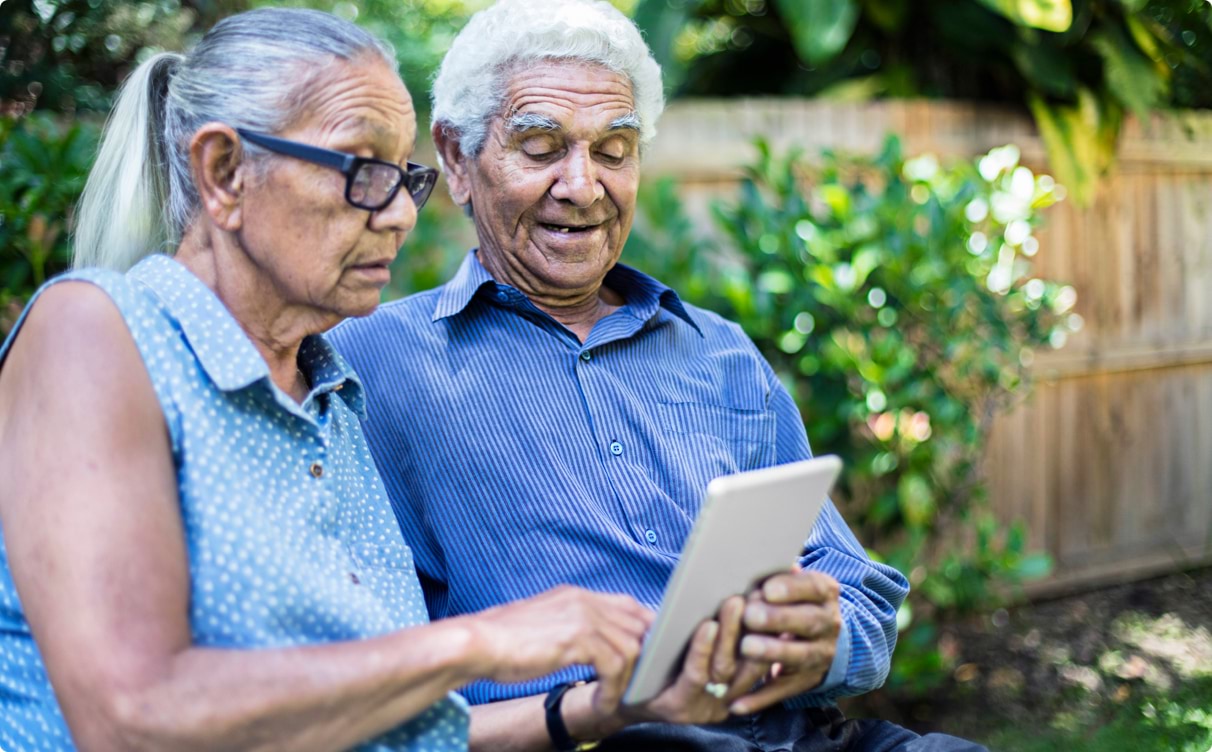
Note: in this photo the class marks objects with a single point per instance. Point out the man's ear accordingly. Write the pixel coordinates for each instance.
(217, 160)
(455, 165)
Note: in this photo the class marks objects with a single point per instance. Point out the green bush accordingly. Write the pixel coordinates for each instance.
(43, 166)
(895, 300)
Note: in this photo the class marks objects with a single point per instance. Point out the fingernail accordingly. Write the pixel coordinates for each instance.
(775, 590)
(738, 708)
(752, 647)
(755, 615)
(713, 629)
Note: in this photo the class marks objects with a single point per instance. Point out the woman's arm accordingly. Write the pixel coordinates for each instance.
(520, 725)
(91, 521)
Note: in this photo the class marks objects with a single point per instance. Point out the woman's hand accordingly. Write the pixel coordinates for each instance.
(562, 627)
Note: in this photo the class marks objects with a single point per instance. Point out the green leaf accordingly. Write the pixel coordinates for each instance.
(1080, 140)
(1134, 79)
(916, 499)
(1049, 15)
(889, 15)
(661, 23)
(1048, 68)
(819, 29)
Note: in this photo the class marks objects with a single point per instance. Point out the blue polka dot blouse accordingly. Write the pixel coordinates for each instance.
(290, 536)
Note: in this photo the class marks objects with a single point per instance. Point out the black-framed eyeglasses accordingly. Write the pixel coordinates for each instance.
(370, 184)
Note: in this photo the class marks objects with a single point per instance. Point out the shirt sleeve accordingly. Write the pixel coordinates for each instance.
(871, 592)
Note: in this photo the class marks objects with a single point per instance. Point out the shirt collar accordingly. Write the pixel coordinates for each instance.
(224, 351)
(458, 292)
(644, 295)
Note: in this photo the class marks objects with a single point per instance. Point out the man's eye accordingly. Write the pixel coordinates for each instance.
(538, 147)
(613, 150)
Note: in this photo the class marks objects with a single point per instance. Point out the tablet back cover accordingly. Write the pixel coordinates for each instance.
(752, 525)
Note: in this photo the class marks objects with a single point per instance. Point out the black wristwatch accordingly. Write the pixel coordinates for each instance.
(560, 738)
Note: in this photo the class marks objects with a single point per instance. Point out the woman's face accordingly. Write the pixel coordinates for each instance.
(310, 246)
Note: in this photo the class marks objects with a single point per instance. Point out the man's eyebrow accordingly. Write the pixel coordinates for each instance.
(630, 122)
(520, 122)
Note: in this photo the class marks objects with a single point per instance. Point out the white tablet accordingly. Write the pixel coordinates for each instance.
(752, 525)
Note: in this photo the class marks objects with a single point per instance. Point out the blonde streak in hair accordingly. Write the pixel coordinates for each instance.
(120, 218)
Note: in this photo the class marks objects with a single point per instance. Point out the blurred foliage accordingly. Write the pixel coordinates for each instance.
(1079, 65)
(69, 55)
(420, 31)
(434, 249)
(43, 165)
(894, 298)
(60, 63)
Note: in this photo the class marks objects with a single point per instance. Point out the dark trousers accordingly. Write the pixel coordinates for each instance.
(782, 730)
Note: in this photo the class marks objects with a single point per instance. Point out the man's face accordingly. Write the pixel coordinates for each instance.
(554, 187)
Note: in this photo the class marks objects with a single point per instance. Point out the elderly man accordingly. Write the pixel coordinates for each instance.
(552, 416)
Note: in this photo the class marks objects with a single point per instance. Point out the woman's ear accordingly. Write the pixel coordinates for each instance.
(455, 165)
(217, 160)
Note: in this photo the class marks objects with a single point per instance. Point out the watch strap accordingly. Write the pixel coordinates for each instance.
(560, 738)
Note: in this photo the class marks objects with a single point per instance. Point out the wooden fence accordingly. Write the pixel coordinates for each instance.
(1110, 460)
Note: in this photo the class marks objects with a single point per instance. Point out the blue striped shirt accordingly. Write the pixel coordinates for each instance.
(518, 458)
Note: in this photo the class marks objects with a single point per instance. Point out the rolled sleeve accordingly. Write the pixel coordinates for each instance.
(870, 593)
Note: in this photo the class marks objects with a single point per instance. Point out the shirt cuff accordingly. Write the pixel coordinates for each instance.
(841, 662)
(836, 677)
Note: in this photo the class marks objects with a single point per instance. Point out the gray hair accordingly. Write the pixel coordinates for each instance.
(252, 70)
(470, 85)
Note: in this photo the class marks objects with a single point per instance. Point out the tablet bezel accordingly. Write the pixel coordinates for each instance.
(751, 525)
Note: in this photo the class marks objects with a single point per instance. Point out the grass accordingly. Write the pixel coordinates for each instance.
(1179, 721)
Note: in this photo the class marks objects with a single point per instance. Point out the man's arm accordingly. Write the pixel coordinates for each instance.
(792, 626)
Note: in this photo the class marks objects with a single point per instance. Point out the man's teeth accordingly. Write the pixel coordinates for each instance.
(562, 229)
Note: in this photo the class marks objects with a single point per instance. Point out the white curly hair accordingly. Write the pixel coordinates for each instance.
(470, 85)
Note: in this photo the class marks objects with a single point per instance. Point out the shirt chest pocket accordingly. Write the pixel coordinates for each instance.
(387, 571)
(748, 436)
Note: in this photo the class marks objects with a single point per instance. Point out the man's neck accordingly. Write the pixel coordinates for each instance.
(577, 310)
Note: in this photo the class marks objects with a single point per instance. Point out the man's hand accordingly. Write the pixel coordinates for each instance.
(791, 624)
(688, 700)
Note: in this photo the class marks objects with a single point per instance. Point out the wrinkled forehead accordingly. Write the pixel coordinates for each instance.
(563, 91)
(362, 96)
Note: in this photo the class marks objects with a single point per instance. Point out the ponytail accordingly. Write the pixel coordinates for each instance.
(121, 216)
(246, 72)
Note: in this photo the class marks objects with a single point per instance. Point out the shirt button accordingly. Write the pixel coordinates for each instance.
(616, 448)
(650, 536)
(502, 296)
(586, 356)
(317, 470)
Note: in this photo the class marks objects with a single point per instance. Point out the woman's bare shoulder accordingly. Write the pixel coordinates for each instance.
(74, 345)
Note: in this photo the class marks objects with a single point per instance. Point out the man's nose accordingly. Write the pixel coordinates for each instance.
(578, 181)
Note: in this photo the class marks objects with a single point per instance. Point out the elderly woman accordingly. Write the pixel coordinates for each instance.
(197, 551)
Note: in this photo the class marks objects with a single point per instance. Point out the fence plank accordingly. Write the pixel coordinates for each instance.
(1110, 460)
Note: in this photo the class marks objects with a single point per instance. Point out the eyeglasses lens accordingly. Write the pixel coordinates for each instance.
(420, 185)
(374, 185)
